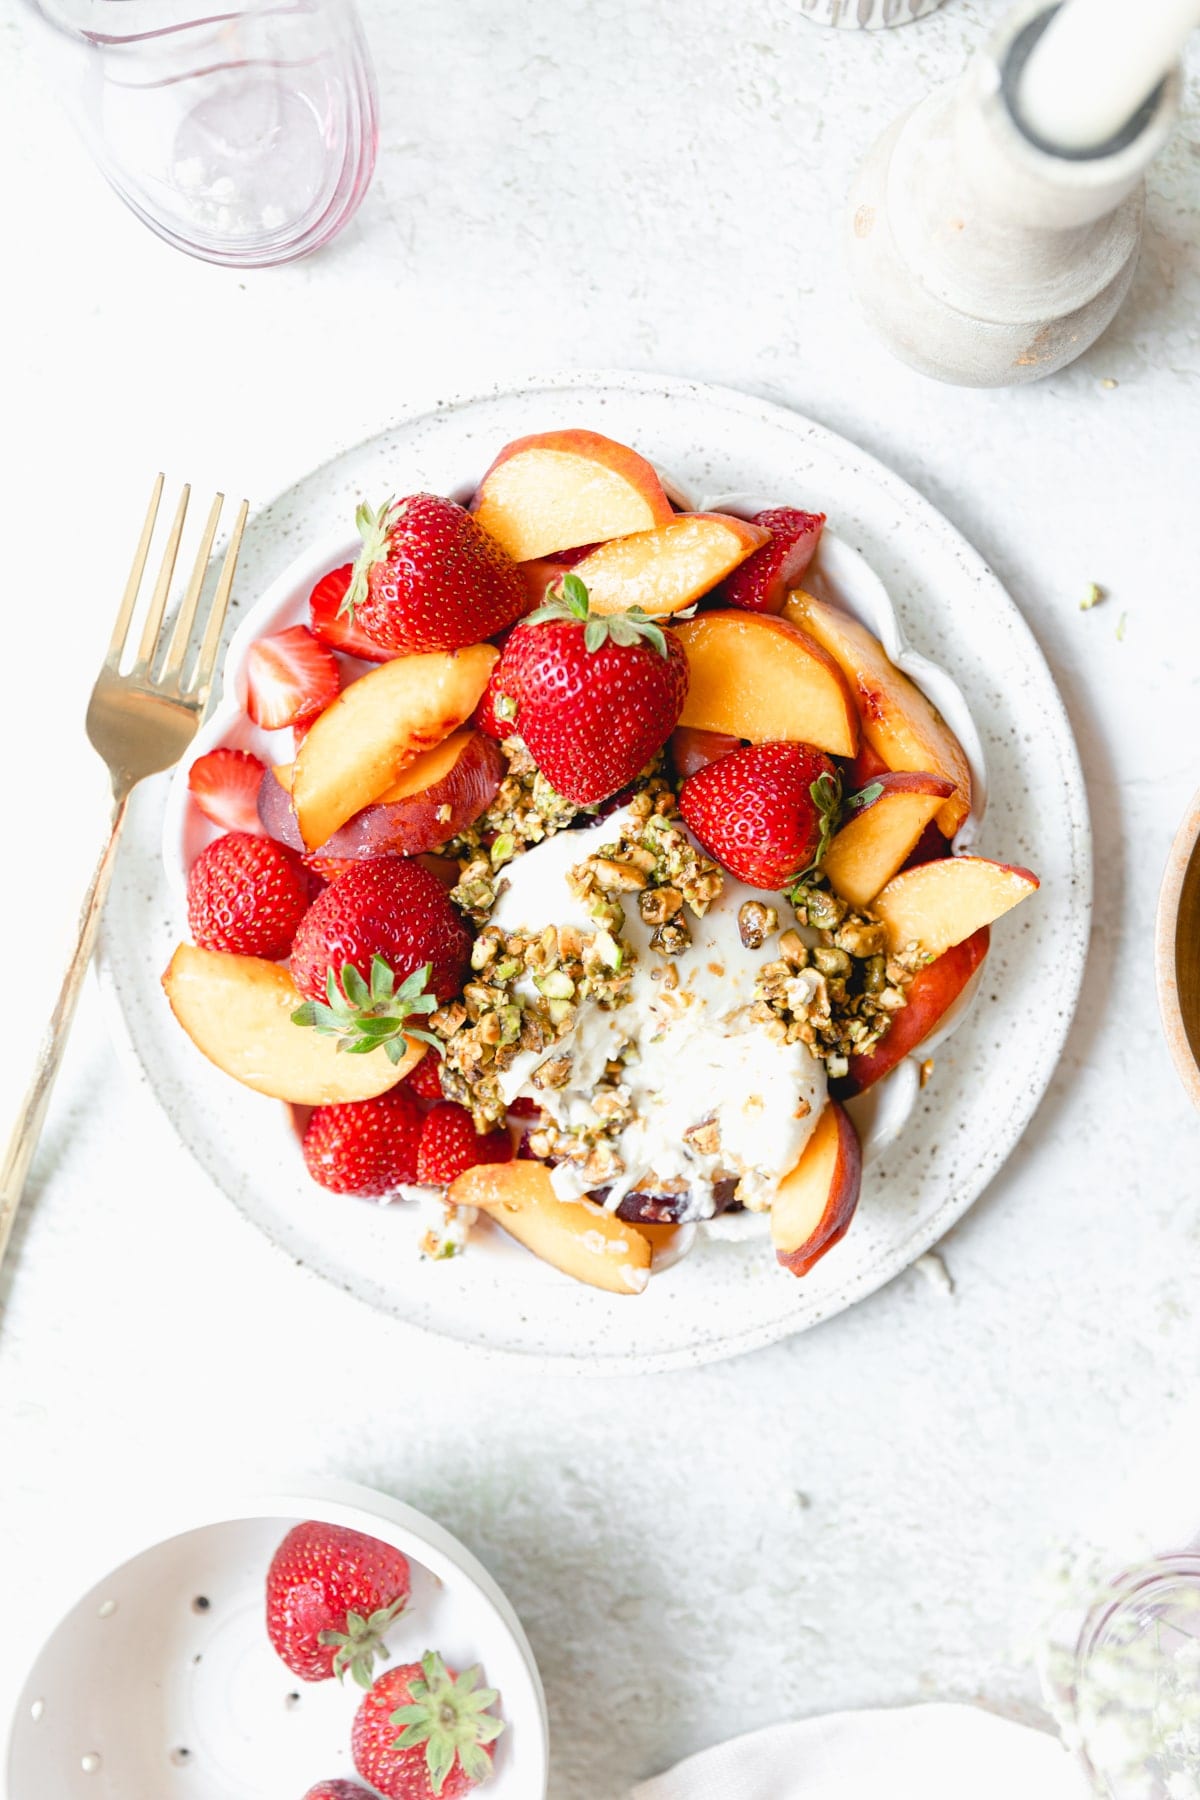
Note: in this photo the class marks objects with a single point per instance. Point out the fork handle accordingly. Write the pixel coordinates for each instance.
(28, 1128)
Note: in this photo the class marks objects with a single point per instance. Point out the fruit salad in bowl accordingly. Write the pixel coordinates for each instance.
(577, 863)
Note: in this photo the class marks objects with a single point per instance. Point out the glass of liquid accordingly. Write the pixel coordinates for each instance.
(244, 133)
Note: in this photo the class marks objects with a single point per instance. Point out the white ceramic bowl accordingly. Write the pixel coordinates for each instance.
(838, 571)
(161, 1681)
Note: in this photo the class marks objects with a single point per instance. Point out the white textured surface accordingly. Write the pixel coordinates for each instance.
(859, 1516)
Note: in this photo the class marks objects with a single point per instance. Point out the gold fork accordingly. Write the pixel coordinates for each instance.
(141, 722)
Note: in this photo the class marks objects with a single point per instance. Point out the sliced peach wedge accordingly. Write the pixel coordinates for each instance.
(931, 995)
(938, 904)
(665, 570)
(439, 794)
(878, 838)
(358, 747)
(815, 1201)
(237, 1010)
(756, 676)
(575, 1236)
(692, 750)
(902, 726)
(558, 489)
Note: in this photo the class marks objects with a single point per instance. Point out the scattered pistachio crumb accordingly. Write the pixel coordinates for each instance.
(1093, 594)
(1108, 382)
(1121, 627)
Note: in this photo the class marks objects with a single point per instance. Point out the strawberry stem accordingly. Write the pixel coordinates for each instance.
(364, 1018)
(375, 526)
(448, 1714)
(569, 604)
(361, 1642)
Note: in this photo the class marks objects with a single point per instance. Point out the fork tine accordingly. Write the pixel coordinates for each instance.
(206, 661)
(186, 617)
(162, 586)
(129, 597)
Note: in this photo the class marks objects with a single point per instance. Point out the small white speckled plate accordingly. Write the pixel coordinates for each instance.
(725, 1297)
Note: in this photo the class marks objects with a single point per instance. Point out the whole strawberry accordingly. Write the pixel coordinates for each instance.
(766, 812)
(496, 713)
(332, 624)
(424, 1732)
(450, 1144)
(381, 943)
(429, 577)
(762, 583)
(365, 1147)
(332, 1593)
(597, 696)
(247, 894)
(338, 1790)
(425, 1080)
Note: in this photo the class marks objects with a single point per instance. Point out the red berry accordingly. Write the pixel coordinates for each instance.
(496, 713)
(247, 895)
(762, 583)
(365, 1147)
(224, 784)
(449, 1740)
(387, 919)
(450, 1144)
(756, 811)
(290, 678)
(331, 1595)
(430, 578)
(335, 627)
(425, 1080)
(592, 718)
(327, 868)
(338, 1790)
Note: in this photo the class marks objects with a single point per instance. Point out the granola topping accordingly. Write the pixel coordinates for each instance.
(670, 1088)
(839, 991)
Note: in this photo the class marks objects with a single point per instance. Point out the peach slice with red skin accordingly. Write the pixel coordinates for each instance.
(692, 750)
(438, 795)
(938, 904)
(756, 676)
(358, 747)
(931, 994)
(575, 1236)
(815, 1201)
(557, 489)
(878, 838)
(904, 728)
(237, 1010)
(665, 570)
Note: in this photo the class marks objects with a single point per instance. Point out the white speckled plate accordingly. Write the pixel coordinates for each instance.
(725, 1297)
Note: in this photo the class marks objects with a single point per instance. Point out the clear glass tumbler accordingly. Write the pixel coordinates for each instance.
(1135, 1694)
(245, 136)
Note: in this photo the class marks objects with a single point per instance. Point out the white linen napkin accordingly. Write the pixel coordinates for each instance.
(935, 1752)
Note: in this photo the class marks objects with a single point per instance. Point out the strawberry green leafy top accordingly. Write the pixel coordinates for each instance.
(362, 1017)
(450, 1717)
(569, 604)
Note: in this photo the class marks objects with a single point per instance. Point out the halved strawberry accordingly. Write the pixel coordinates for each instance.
(224, 784)
(290, 678)
(336, 628)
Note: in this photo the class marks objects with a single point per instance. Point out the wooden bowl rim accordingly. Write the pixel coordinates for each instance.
(1184, 852)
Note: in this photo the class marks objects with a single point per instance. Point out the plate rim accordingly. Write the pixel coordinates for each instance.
(868, 1278)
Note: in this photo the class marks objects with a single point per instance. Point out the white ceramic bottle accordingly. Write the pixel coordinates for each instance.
(982, 256)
